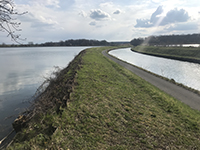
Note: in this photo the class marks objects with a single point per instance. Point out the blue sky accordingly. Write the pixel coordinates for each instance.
(112, 20)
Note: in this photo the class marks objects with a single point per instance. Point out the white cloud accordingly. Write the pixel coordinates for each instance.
(98, 14)
(173, 16)
(39, 17)
(53, 3)
(93, 23)
(83, 14)
(117, 12)
(176, 15)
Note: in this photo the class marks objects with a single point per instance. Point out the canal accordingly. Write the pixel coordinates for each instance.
(182, 72)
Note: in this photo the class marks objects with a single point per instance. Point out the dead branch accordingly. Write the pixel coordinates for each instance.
(7, 22)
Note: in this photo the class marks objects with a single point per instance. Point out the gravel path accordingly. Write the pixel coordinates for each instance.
(187, 97)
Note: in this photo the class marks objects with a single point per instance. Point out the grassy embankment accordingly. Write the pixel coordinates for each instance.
(191, 54)
(111, 108)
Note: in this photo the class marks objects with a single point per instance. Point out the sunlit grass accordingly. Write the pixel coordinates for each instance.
(179, 52)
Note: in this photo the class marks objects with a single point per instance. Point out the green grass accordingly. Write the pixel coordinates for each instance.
(182, 52)
(111, 108)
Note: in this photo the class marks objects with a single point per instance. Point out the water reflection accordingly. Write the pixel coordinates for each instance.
(182, 72)
(22, 71)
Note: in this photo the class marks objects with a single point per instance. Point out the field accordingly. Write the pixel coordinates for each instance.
(109, 108)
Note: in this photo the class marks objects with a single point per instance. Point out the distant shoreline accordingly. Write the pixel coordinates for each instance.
(169, 57)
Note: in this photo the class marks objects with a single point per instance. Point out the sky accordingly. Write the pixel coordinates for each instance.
(111, 20)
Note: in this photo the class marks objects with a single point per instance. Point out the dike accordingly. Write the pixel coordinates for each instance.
(55, 97)
(57, 94)
(169, 57)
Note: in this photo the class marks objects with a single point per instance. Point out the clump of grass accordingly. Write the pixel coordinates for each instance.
(111, 108)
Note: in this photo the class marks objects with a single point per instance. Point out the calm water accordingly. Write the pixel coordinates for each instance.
(182, 72)
(22, 71)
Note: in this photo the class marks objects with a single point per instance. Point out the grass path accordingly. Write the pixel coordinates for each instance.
(111, 108)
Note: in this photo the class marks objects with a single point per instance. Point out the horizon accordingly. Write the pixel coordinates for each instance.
(32, 43)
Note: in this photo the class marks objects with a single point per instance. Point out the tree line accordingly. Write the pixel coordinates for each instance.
(167, 40)
(78, 42)
(71, 42)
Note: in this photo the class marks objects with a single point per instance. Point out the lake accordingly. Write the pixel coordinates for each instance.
(23, 70)
(182, 72)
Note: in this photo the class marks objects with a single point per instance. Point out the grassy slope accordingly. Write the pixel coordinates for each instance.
(181, 52)
(111, 108)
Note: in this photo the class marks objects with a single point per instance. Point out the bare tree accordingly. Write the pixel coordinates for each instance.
(7, 22)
